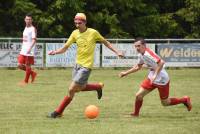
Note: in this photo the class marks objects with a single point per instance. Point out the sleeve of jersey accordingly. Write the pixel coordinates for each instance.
(70, 40)
(98, 36)
(34, 33)
(153, 56)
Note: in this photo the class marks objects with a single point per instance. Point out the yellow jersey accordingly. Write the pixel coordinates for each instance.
(86, 43)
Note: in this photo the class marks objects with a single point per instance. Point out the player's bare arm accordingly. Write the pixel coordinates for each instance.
(108, 44)
(58, 51)
(158, 69)
(135, 68)
(33, 43)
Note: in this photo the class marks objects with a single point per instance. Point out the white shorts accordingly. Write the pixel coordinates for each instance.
(161, 79)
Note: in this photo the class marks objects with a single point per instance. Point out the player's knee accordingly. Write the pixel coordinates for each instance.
(19, 66)
(71, 92)
(139, 96)
(165, 102)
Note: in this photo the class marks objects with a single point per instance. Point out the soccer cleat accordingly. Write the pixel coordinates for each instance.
(188, 103)
(99, 91)
(54, 115)
(134, 115)
(33, 76)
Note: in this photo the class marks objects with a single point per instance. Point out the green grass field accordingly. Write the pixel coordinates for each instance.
(23, 110)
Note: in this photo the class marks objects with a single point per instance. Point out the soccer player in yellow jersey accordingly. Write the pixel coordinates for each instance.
(85, 39)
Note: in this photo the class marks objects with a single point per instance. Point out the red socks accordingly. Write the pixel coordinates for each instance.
(63, 104)
(175, 101)
(138, 105)
(28, 72)
(91, 87)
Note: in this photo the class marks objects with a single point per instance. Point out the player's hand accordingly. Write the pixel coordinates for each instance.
(120, 54)
(122, 74)
(153, 79)
(29, 50)
(52, 52)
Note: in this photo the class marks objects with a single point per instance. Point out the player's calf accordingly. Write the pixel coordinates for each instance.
(33, 76)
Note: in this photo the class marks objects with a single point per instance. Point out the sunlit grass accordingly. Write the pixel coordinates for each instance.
(23, 110)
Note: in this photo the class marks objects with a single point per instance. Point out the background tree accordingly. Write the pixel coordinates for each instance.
(114, 19)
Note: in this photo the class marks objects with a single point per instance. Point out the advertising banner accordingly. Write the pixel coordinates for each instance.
(180, 54)
(10, 51)
(110, 59)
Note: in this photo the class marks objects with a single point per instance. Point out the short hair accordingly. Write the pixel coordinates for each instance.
(29, 15)
(80, 16)
(141, 40)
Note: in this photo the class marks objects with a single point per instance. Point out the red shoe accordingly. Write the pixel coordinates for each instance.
(134, 115)
(188, 103)
(33, 76)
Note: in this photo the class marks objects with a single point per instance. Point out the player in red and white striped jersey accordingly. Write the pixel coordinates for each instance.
(157, 78)
(26, 56)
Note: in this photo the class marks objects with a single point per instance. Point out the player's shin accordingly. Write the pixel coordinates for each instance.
(175, 101)
(95, 87)
(28, 73)
(138, 105)
(64, 103)
(92, 86)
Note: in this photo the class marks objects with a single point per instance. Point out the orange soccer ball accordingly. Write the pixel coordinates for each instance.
(91, 111)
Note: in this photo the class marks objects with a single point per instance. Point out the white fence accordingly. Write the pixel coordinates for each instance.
(176, 52)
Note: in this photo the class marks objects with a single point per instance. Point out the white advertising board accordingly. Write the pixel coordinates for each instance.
(110, 59)
(10, 51)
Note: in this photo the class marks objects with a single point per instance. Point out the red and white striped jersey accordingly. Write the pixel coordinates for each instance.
(151, 59)
(28, 35)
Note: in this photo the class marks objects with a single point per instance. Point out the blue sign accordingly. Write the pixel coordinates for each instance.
(180, 54)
